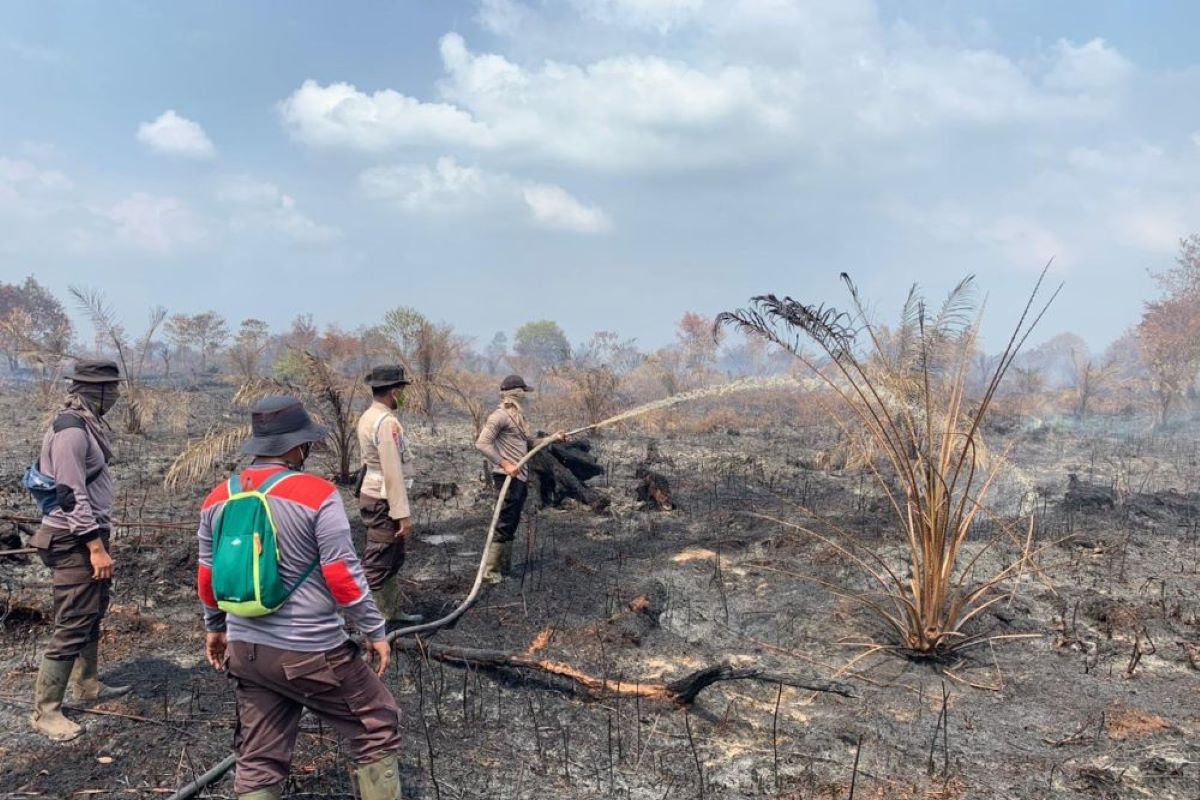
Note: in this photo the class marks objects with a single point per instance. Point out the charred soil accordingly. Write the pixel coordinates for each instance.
(1086, 688)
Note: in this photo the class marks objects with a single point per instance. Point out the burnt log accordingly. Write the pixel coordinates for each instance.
(682, 692)
(578, 458)
(560, 472)
(1081, 496)
(437, 490)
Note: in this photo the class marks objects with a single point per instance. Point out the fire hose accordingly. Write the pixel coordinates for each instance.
(218, 772)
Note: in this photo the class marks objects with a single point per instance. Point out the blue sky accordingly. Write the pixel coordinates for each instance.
(606, 163)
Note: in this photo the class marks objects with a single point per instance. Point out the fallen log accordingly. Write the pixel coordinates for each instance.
(682, 692)
(556, 482)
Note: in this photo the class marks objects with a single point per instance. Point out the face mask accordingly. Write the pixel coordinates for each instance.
(398, 399)
(109, 395)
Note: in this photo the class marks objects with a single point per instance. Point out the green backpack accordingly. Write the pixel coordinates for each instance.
(245, 552)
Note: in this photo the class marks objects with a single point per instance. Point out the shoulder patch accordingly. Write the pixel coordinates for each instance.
(307, 490)
(67, 421)
(218, 495)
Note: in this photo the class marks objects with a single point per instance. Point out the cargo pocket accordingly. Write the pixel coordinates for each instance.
(310, 674)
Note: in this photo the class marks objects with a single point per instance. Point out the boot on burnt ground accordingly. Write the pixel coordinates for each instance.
(379, 780)
(506, 549)
(492, 570)
(85, 677)
(270, 793)
(390, 602)
(48, 691)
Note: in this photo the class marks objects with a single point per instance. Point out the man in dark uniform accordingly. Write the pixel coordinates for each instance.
(73, 541)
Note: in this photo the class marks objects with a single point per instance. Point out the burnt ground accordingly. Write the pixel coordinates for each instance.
(1089, 688)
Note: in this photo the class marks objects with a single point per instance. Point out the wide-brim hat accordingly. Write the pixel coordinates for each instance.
(87, 370)
(280, 423)
(386, 375)
(514, 382)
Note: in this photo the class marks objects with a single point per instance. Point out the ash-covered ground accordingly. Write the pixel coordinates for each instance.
(1086, 688)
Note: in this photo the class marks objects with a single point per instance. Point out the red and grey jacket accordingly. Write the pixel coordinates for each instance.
(311, 525)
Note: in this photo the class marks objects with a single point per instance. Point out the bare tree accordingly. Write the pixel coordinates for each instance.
(426, 349)
(248, 347)
(1090, 379)
(132, 354)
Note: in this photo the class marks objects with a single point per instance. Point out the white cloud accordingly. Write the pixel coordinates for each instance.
(154, 223)
(660, 15)
(174, 135)
(340, 115)
(259, 206)
(1025, 243)
(1090, 67)
(856, 85)
(448, 187)
(504, 17)
(18, 176)
(1154, 229)
(444, 187)
(553, 207)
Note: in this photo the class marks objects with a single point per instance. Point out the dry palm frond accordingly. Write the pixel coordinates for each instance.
(200, 458)
(907, 394)
(335, 395)
(252, 391)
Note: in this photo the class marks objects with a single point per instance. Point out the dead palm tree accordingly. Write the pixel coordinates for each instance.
(907, 397)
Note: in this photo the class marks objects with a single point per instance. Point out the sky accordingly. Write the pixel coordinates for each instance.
(608, 164)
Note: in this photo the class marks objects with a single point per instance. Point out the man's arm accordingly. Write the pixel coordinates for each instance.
(342, 570)
(486, 442)
(214, 617)
(394, 487)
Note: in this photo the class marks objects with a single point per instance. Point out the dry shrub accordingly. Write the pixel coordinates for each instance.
(907, 394)
(170, 411)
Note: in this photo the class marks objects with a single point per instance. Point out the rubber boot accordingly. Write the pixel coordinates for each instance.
(491, 566)
(47, 717)
(506, 549)
(387, 599)
(85, 677)
(270, 793)
(379, 780)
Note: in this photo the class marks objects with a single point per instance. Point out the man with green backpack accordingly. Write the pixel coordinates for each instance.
(277, 572)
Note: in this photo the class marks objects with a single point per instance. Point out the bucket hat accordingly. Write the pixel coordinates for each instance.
(88, 370)
(514, 382)
(280, 423)
(386, 375)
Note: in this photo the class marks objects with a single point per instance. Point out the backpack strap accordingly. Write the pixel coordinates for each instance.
(378, 424)
(66, 421)
(273, 481)
(235, 484)
(265, 489)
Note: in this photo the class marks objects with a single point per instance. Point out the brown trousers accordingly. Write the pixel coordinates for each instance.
(273, 687)
(80, 603)
(383, 555)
